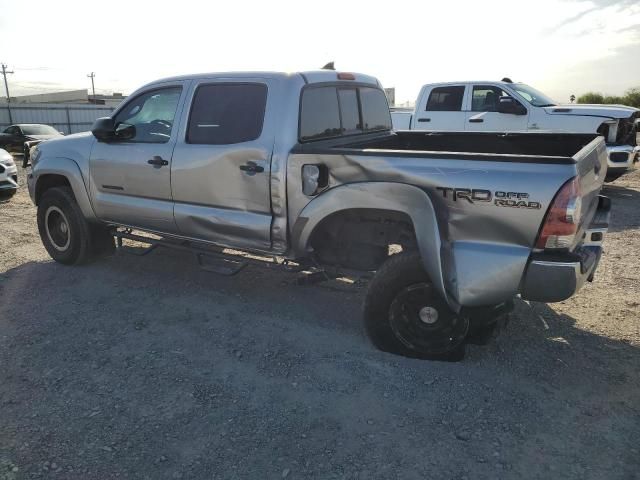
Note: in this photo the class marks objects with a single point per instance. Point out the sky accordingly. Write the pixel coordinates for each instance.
(561, 47)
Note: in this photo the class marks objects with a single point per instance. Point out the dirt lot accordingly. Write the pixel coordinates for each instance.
(146, 367)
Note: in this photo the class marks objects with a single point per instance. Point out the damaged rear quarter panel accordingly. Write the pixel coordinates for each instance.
(483, 247)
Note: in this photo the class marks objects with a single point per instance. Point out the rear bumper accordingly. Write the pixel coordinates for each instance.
(553, 277)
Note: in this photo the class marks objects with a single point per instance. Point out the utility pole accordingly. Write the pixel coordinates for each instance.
(6, 72)
(93, 87)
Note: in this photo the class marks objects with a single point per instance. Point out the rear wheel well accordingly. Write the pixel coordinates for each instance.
(45, 182)
(362, 239)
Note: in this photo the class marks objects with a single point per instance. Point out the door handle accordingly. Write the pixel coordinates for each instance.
(424, 119)
(476, 120)
(157, 161)
(252, 168)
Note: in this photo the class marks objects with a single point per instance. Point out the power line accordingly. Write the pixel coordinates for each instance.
(92, 75)
(35, 68)
(31, 86)
(5, 72)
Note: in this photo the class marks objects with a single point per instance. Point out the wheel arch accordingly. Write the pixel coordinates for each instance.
(398, 199)
(57, 171)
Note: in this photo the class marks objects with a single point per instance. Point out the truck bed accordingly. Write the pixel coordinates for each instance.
(474, 234)
(557, 146)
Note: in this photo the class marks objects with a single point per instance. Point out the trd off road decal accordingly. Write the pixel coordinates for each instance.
(514, 199)
(499, 198)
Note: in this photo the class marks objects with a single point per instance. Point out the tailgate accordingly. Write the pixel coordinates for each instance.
(591, 169)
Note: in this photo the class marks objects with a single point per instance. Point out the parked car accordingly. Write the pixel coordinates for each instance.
(8, 175)
(305, 169)
(508, 107)
(20, 138)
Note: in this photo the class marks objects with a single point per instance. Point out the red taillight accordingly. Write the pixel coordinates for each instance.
(562, 220)
(346, 76)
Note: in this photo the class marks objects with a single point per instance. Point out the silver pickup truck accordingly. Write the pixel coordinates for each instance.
(304, 169)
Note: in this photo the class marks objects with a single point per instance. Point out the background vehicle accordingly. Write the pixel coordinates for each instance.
(20, 138)
(306, 167)
(508, 107)
(8, 175)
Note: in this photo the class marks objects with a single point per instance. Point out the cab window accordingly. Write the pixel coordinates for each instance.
(227, 113)
(446, 99)
(486, 98)
(152, 113)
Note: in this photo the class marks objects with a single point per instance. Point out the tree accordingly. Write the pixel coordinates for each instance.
(612, 99)
(631, 98)
(591, 97)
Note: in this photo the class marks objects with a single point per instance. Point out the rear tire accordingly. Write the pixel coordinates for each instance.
(63, 229)
(405, 315)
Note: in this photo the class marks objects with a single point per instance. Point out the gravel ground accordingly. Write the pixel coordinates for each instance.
(148, 368)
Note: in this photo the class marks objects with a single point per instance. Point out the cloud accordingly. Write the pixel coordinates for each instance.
(600, 15)
(573, 19)
(611, 3)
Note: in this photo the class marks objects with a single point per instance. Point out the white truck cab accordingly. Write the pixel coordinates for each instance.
(505, 106)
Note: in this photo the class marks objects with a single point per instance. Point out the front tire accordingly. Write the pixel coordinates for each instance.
(405, 315)
(63, 229)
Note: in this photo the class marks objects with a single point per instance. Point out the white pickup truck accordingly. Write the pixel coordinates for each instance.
(506, 106)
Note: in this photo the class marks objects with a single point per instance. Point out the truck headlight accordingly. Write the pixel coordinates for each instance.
(34, 155)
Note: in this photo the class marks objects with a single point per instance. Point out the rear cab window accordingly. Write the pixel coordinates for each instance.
(445, 99)
(227, 113)
(331, 111)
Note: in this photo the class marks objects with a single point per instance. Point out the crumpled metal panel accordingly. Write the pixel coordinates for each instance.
(483, 248)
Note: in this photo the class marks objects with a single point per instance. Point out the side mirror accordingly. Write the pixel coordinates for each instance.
(511, 105)
(103, 129)
(125, 131)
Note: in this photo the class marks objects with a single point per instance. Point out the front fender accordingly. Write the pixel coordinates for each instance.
(397, 197)
(68, 169)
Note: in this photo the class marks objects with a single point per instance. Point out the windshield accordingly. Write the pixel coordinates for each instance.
(533, 96)
(38, 130)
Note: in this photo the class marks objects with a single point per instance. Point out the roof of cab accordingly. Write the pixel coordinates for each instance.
(470, 82)
(314, 76)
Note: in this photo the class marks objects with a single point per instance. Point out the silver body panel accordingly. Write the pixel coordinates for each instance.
(482, 250)
(476, 253)
(213, 199)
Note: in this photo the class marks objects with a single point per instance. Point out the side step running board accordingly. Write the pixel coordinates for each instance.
(222, 266)
(210, 258)
(215, 259)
